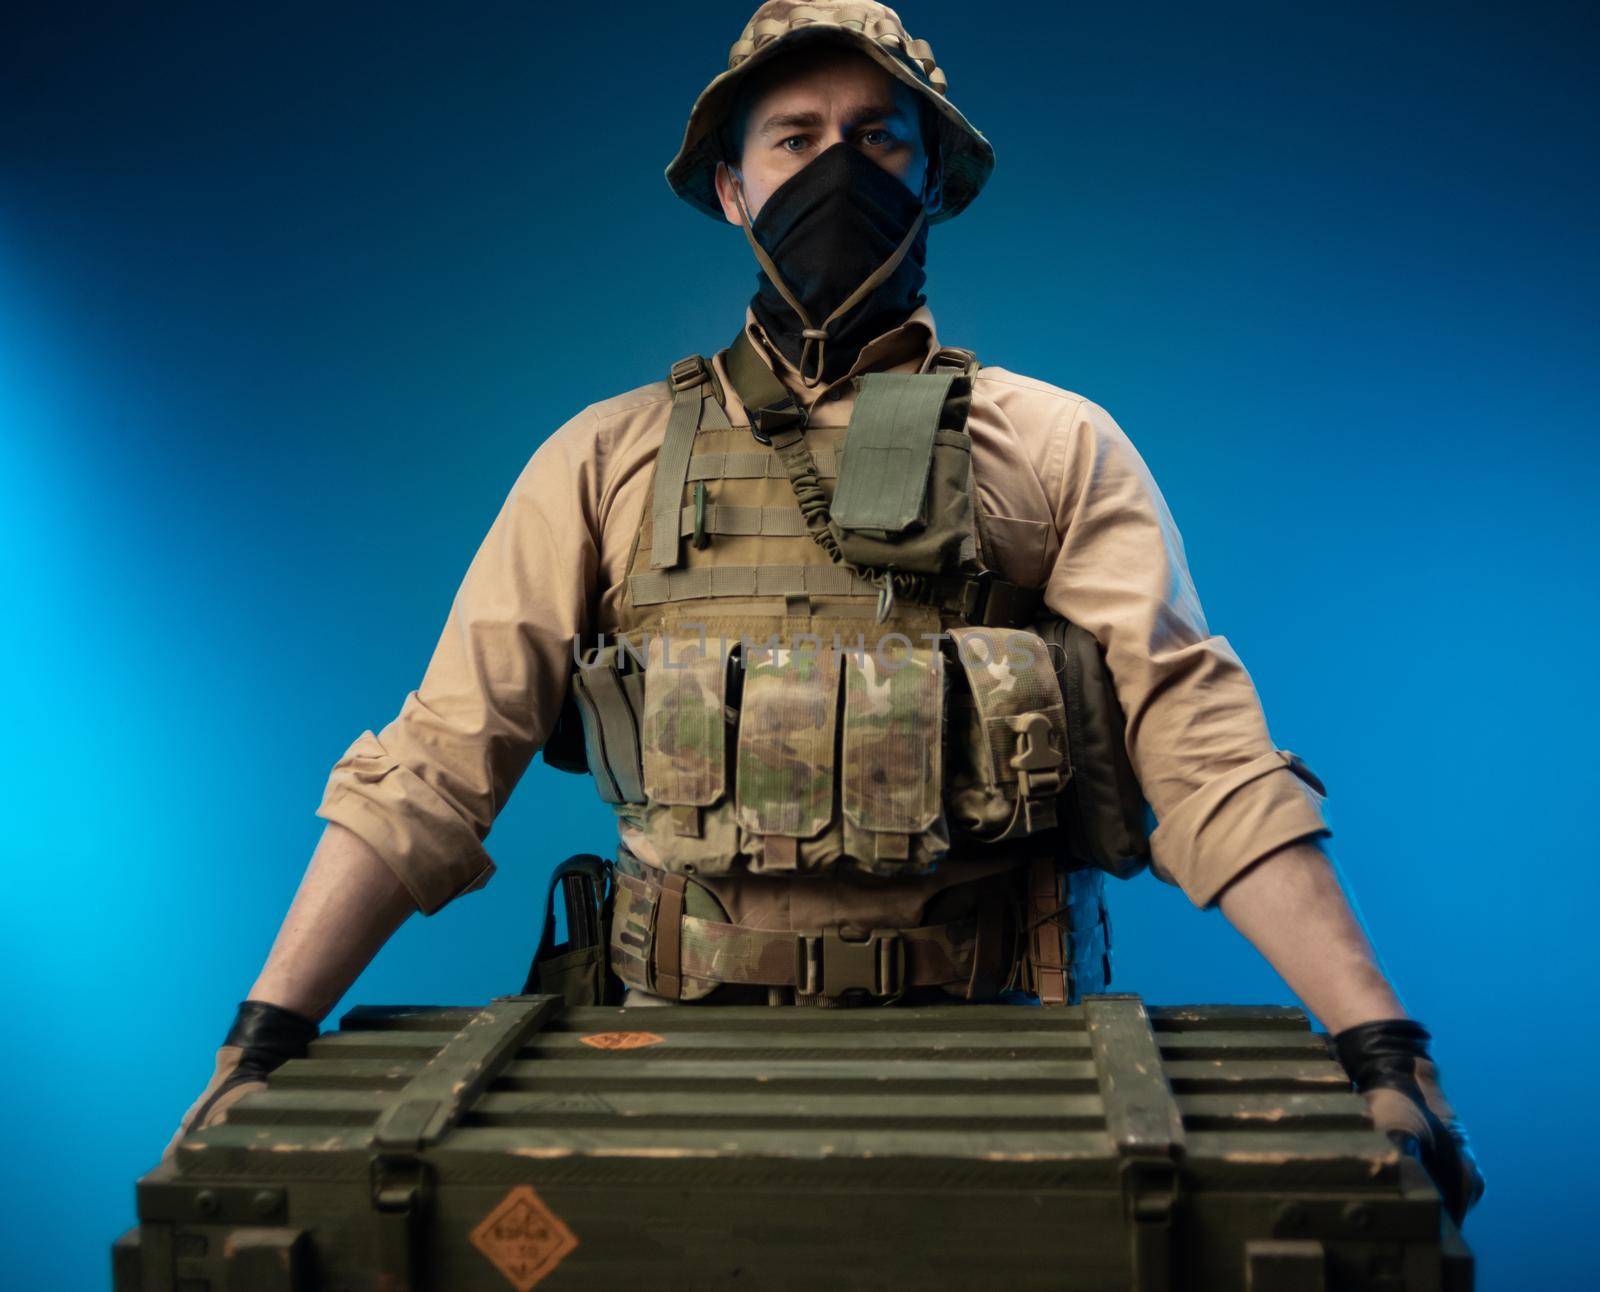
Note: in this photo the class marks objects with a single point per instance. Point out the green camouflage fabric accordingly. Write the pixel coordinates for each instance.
(1010, 673)
(787, 725)
(685, 719)
(632, 930)
(938, 955)
(780, 26)
(713, 848)
(893, 720)
(975, 804)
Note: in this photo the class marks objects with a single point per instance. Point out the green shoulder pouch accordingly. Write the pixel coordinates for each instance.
(576, 969)
(904, 498)
(1105, 817)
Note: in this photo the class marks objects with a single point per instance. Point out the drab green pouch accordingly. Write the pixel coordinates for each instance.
(904, 499)
(577, 969)
(608, 690)
(1106, 819)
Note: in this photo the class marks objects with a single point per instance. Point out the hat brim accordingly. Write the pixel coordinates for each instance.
(967, 156)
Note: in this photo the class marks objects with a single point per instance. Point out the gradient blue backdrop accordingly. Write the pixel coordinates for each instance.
(289, 294)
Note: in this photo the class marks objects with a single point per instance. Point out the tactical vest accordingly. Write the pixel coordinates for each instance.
(815, 671)
(820, 671)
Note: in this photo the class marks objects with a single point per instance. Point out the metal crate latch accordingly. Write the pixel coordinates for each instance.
(400, 1196)
(1150, 1196)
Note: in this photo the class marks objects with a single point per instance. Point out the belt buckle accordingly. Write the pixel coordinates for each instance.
(831, 964)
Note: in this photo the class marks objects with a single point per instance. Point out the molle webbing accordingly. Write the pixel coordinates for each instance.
(699, 518)
(658, 587)
(978, 600)
(754, 466)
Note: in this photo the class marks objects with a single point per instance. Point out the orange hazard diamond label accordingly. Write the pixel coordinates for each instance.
(621, 1040)
(523, 1238)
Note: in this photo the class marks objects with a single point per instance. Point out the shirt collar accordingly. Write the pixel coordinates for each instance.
(904, 348)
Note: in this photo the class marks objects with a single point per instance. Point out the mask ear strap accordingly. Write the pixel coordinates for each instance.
(765, 261)
(816, 338)
(873, 281)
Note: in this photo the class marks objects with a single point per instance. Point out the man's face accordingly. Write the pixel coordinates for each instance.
(837, 96)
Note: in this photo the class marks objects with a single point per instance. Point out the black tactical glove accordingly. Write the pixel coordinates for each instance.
(263, 1038)
(1389, 1064)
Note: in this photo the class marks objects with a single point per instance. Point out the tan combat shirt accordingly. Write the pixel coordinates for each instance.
(1070, 507)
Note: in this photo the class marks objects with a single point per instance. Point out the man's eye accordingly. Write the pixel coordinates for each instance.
(793, 144)
(875, 138)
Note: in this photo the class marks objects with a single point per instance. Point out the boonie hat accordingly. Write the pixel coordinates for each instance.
(875, 30)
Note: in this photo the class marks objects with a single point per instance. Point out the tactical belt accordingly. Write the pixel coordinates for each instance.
(976, 954)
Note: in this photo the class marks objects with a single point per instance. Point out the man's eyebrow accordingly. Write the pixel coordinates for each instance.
(791, 121)
(811, 120)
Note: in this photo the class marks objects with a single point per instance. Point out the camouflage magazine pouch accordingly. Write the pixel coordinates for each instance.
(685, 758)
(904, 500)
(1106, 817)
(1008, 735)
(785, 766)
(891, 753)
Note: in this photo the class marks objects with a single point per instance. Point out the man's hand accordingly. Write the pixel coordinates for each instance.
(349, 903)
(1293, 908)
(263, 1038)
(1388, 1062)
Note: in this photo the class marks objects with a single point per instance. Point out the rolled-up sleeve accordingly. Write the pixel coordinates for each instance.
(424, 792)
(1223, 794)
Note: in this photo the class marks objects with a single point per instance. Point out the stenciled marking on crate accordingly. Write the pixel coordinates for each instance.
(523, 1238)
(621, 1040)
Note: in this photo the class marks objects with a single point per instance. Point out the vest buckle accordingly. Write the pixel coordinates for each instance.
(687, 373)
(1038, 766)
(831, 964)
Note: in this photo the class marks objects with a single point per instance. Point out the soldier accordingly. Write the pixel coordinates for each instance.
(837, 729)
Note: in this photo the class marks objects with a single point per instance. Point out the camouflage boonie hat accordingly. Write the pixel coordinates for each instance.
(873, 29)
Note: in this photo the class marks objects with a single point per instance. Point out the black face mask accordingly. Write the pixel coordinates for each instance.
(822, 236)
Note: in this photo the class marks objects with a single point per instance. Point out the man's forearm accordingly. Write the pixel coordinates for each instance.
(1293, 908)
(346, 908)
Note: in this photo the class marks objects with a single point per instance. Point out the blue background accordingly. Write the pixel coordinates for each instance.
(289, 294)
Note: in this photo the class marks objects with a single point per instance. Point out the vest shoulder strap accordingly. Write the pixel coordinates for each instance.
(686, 377)
(770, 404)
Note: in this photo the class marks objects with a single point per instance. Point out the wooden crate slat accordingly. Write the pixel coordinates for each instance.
(787, 1143)
(888, 1108)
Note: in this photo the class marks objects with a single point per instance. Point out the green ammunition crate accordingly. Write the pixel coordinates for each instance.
(1099, 1146)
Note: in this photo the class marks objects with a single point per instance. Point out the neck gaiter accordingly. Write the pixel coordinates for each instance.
(842, 245)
